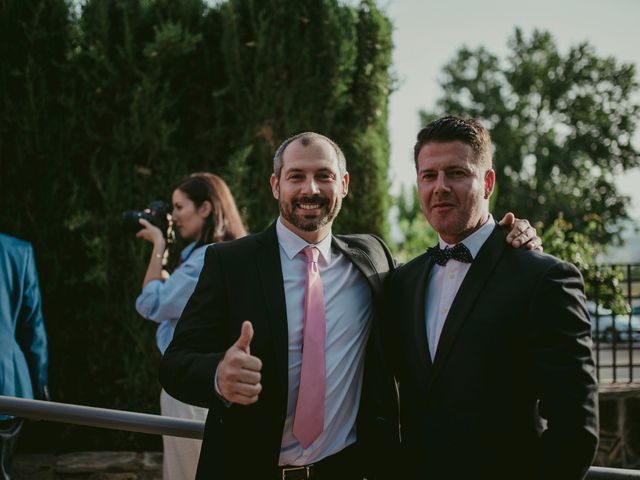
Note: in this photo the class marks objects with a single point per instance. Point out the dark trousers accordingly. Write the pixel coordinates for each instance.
(9, 430)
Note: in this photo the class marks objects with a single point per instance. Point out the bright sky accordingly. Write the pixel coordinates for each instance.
(429, 32)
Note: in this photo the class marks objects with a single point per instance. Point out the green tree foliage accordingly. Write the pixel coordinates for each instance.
(309, 65)
(416, 232)
(104, 109)
(602, 282)
(561, 123)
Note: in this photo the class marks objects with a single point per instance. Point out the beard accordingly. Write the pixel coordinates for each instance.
(309, 223)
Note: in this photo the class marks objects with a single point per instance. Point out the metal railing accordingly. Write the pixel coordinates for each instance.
(617, 337)
(601, 473)
(100, 417)
(159, 425)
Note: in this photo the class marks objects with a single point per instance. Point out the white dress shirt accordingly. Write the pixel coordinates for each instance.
(348, 313)
(444, 282)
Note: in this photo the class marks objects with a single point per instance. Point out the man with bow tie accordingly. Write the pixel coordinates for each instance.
(490, 345)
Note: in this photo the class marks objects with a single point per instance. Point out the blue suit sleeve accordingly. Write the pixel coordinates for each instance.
(30, 330)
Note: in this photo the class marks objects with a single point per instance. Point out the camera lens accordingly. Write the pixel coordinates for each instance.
(130, 221)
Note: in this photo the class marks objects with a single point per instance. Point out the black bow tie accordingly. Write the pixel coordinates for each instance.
(441, 256)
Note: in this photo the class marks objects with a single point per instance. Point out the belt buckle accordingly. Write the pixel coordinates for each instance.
(304, 468)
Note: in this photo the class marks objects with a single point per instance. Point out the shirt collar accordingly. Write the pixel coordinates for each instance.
(188, 250)
(292, 244)
(475, 241)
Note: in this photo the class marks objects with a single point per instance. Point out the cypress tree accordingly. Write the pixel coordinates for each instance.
(104, 109)
(309, 65)
(290, 65)
(363, 128)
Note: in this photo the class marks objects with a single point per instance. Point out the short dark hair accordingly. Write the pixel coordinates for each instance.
(307, 138)
(450, 129)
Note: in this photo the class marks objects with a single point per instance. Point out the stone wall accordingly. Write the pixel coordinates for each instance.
(89, 466)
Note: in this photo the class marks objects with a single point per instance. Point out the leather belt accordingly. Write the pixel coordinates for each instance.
(342, 464)
(304, 472)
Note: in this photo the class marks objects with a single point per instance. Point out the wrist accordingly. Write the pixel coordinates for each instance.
(159, 245)
(226, 402)
(158, 251)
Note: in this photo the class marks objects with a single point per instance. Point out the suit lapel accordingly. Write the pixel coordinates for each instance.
(362, 262)
(270, 276)
(473, 283)
(419, 282)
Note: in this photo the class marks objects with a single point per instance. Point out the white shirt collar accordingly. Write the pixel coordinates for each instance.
(292, 244)
(475, 241)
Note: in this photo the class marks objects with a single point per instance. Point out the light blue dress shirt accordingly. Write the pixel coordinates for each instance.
(348, 313)
(162, 301)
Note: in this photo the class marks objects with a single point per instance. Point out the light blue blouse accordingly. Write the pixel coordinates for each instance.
(162, 301)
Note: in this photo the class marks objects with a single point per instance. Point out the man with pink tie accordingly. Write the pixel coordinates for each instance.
(275, 339)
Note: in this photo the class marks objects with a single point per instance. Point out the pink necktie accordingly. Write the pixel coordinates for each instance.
(309, 418)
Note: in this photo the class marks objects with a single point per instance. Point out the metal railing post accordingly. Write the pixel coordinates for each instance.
(630, 316)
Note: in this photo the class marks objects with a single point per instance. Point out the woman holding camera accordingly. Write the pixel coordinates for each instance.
(205, 212)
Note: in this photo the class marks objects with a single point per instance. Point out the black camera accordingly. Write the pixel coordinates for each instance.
(157, 215)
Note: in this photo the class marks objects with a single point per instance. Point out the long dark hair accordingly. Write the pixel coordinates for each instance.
(224, 222)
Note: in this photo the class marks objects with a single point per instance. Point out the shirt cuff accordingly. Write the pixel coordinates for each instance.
(222, 399)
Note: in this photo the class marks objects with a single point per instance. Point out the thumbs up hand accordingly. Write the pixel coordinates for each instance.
(246, 335)
(239, 372)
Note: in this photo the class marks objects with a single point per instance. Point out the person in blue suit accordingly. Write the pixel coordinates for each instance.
(23, 339)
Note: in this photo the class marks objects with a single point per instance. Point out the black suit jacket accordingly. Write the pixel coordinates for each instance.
(242, 280)
(514, 354)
